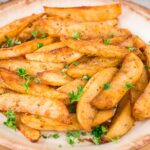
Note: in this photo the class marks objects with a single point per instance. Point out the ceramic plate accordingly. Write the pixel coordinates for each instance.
(134, 17)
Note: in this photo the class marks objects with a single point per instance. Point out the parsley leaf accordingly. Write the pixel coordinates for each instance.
(76, 35)
(39, 45)
(76, 97)
(129, 86)
(11, 119)
(107, 42)
(72, 108)
(86, 77)
(131, 48)
(99, 131)
(147, 67)
(11, 41)
(44, 35)
(35, 34)
(106, 86)
(114, 140)
(46, 136)
(96, 140)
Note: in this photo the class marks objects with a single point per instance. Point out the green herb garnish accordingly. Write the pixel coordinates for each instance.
(76, 35)
(86, 77)
(44, 35)
(75, 63)
(147, 67)
(107, 42)
(46, 136)
(129, 86)
(83, 133)
(39, 45)
(11, 119)
(12, 42)
(131, 48)
(72, 108)
(106, 86)
(114, 140)
(35, 34)
(76, 97)
(96, 140)
(111, 35)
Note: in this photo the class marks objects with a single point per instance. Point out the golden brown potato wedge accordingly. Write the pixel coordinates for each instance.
(57, 55)
(41, 123)
(85, 111)
(91, 66)
(25, 48)
(31, 134)
(127, 76)
(41, 106)
(141, 109)
(50, 47)
(122, 122)
(54, 78)
(96, 13)
(32, 67)
(102, 116)
(13, 82)
(12, 29)
(95, 48)
(139, 87)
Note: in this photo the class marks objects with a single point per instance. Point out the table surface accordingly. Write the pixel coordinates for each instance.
(142, 2)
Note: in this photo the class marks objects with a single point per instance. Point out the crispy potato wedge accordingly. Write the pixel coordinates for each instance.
(141, 108)
(32, 67)
(25, 48)
(96, 48)
(54, 78)
(129, 74)
(91, 67)
(44, 124)
(50, 47)
(31, 134)
(102, 116)
(71, 86)
(85, 111)
(122, 122)
(41, 106)
(96, 13)
(13, 82)
(58, 55)
(139, 87)
(12, 29)
(147, 55)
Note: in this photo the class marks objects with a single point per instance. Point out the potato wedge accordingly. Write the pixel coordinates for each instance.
(44, 124)
(12, 29)
(41, 106)
(54, 78)
(13, 82)
(122, 123)
(32, 67)
(139, 87)
(141, 108)
(25, 48)
(147, 55)
(85, 111)
(71, 86)
(96, 48)
(58, 55)
(102, 116)
(91, 67)
(96, 13)
(31, 134)
(50, 47)
(129, 74)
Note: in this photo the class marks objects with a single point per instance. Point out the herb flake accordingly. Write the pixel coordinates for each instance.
(86, 77)
(107, 41)
(76, 35)
(129, 86)
(106, 86)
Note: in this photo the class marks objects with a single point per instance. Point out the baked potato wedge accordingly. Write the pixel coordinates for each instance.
(25, 48)
(41, 106)
(95, 48)
(85, 111)
(13, 82)
(44, 124)
(96, 13)
(125, 79)
(58, 55)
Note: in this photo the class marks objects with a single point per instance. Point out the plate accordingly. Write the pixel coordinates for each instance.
(134, 17)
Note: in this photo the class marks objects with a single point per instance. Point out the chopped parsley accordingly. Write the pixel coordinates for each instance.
(107, 42)
(106, 86)
(11, 119)
(21, 72)
(76, 35)
(111, 35)
(147, 67)
(39, 45)
(131, 48)
(12, 42)
(86, 77)
(75, 63)
(54, 136)
(129, 86)
(114, 140)
(44, 35)
(72, 108)
(83, 133)
(76, 97)
(96, 140)
(35, 34)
